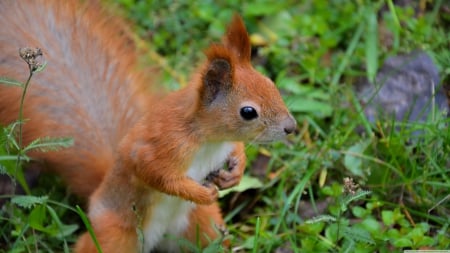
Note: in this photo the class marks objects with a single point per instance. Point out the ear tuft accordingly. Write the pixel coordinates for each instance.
(237, 38)
(217, 80)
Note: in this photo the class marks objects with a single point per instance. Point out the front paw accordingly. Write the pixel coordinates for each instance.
(209, 194)
(226, 178)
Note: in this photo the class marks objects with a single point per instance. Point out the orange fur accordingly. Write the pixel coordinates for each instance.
(89, 90)
(148, 164)
(205, 224)
(116, 235)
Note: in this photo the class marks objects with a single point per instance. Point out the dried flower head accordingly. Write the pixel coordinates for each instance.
(31, 57)
(350, 186)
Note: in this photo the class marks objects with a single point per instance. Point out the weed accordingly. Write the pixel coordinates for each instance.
(315, 51)
(25, 215)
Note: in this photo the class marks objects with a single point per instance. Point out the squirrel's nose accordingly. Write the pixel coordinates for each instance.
(289, 124)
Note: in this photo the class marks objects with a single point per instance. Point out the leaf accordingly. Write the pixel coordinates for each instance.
(311, 228)
(213, 247)
(353, 160)
(358, 234)
(387, 217)
(246, 183)
(360, 212)
(418, 235)
(402, 243)
(60, 230)
(393, 234)
(353, 197)
(249, 242)
(37, 218)
(424, 241)
(306, 104)
(335, 190)
(321, 218)
(29, 201)
(7, 138)
(332, 234)
(371, 225)
(350, 247)
(49, 144)
(41, 67)
(10, 82)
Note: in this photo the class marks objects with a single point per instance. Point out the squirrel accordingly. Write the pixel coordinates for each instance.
(146, 164)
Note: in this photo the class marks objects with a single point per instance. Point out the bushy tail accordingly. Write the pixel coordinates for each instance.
(89, 90)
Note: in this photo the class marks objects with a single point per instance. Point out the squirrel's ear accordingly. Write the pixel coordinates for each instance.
(217, 80)
(237, 38)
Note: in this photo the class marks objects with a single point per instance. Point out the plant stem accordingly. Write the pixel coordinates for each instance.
(20, 151)
(22, 99)
(339, 219)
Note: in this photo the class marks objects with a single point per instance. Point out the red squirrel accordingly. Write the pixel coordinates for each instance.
(147, 164)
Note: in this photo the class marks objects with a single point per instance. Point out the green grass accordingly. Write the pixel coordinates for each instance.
(315, 51)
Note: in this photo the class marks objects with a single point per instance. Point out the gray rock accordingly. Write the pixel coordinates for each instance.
(406, 88)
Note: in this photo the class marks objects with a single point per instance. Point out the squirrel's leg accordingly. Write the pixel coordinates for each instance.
(163, 173)
(205, 225)
(111, 235)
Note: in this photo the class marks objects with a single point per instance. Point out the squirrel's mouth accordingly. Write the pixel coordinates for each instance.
(266, 141)
(268, 137)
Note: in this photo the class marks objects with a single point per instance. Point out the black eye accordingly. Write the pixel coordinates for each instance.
(248, 113)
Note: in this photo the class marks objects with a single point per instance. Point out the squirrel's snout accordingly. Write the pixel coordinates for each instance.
(289, 124)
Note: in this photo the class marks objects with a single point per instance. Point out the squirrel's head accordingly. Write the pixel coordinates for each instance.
(238, 102)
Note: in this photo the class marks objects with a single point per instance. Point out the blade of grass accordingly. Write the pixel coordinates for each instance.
(371, 44)
(397, 27)
(393, 13)
(296, 193)
(361, 114)
(351, 48)
(433, 17)
(255, 241)
(89, 228)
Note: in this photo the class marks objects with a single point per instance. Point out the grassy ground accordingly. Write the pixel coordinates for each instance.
(343, 184)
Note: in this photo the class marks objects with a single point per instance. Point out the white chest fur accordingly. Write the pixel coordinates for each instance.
(170, 216)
